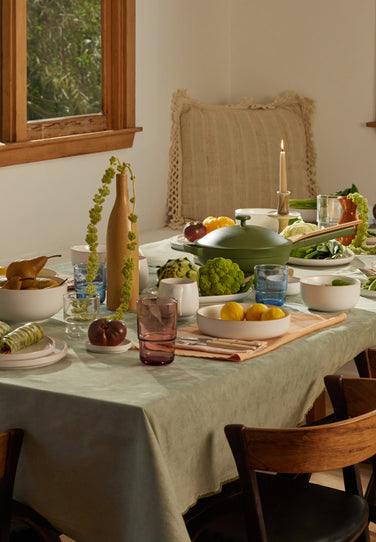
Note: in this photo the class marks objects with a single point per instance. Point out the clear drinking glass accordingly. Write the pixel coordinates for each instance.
(156, 329)
(328, 211)
(100, 282)
(79, 311)
(271, 283)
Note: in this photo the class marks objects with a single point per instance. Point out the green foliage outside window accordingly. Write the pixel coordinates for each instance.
(64, 58)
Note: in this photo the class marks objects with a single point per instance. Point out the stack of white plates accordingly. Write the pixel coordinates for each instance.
(47, 351)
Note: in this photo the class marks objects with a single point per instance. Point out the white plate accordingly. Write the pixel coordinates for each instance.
(122, 347)
(58, 353)
(206, 299)
(37, 350)
(368, 293)
(322, 263)
(178, 241)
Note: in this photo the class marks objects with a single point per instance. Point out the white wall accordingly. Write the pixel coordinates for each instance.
(220, 50)
(45, 204)
(324, 49)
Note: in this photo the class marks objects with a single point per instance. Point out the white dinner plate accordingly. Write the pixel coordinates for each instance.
(368, 293)
(42, 348)
(122, 347)
(206, 299)
(57, 354)
(178, 241)
(323, 263)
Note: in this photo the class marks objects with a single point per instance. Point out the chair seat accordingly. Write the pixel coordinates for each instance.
(292, 512)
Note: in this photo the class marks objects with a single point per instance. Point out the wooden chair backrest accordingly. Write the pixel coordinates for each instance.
(304, 449)
(351, 397)
(10, 447)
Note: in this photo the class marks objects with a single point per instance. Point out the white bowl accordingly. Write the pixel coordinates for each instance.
(80, 253)
(21, 306)
(318, 293)
(209, 322)
(262, 217)
(308, 215)
(293, 286)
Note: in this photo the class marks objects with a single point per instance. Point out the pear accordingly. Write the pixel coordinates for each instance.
(27, 268)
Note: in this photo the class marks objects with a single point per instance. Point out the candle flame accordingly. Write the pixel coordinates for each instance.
(282, 145)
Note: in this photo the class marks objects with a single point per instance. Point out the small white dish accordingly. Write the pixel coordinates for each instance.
(122, 347)
(319, 294)
(57, 354)
(42, 348)
(293, 286)
(210, 323)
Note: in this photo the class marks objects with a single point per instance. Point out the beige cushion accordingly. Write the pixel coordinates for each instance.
(224, 157)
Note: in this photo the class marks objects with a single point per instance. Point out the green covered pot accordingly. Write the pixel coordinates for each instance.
(249, 245)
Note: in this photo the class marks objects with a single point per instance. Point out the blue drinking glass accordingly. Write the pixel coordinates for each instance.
(271, 283)
(100, 282)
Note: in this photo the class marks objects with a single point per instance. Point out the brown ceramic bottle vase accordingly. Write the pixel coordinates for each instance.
(348, 214)
(116, 246)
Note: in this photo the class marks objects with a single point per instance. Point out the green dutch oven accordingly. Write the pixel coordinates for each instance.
(249, 245)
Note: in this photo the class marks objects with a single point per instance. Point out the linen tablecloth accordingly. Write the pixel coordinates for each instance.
(117, 451)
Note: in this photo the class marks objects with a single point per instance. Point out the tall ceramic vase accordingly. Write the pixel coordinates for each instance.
(348, 214)
(116, 246)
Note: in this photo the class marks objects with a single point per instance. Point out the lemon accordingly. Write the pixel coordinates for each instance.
(232, 311)
(255, 311)
(273, 313)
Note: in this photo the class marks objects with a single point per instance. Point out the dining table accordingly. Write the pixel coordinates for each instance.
(116, 450)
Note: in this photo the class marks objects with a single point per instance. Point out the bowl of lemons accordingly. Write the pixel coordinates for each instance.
(244, 321)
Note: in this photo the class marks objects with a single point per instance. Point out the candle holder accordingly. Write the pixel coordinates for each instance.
(283, 213)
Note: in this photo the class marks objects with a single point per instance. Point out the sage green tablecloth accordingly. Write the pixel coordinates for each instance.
(115, 451)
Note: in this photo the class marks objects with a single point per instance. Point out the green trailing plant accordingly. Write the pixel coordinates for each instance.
(95, 215)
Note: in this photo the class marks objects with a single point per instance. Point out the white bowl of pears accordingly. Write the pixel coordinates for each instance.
(30, 293)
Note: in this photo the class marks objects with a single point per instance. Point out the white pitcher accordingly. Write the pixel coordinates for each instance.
(185, 291)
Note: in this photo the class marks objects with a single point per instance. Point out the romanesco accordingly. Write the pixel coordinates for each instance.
(220, 276)
(179, 268)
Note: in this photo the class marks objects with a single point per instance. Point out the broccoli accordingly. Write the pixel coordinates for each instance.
(220, 276)
(179, 268)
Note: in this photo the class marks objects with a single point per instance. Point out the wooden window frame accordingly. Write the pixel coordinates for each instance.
(114, 128)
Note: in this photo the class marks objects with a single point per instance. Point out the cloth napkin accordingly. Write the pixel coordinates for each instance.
(301, 323)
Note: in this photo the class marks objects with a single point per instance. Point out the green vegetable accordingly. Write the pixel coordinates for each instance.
(179, 268)
(220, 276)
(298, 228)
(347, 191)
(330, 250)
(303, 203)
(340, 282)
(370, 284)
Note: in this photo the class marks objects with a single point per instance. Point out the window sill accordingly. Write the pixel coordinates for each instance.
(61, 147)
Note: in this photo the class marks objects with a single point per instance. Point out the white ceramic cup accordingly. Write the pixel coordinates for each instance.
(143, 272)
(185, 291)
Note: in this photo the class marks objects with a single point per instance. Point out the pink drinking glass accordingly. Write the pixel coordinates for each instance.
(156, 329)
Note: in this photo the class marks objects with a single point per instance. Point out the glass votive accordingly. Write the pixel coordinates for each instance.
(271, 283)
(100, 282)
(156, 329)
(79, 310)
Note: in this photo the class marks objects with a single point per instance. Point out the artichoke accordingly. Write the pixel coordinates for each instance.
(179, 268)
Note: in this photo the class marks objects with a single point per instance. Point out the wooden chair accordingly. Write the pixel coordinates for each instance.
(271, 507)
(353, 397)
(18, 522)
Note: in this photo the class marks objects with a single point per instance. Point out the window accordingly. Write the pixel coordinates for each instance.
(106, 122)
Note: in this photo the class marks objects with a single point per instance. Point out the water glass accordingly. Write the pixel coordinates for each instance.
(156, 329)
(80, 283)
(271, 283)
(328, 211)
(79, 310)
